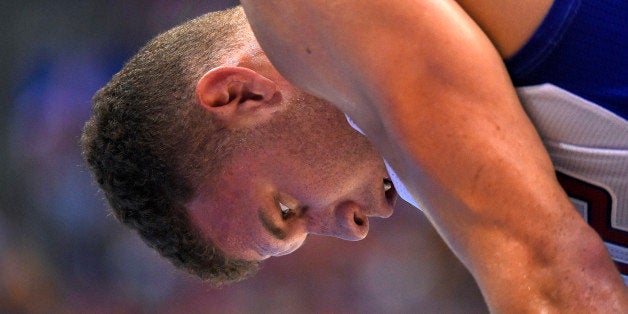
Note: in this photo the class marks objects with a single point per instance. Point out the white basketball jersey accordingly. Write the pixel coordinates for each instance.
(588, 146)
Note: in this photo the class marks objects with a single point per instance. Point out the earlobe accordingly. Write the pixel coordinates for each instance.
(236, 94)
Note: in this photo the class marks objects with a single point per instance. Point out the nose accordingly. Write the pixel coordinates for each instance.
(347, 221)
(351, 222)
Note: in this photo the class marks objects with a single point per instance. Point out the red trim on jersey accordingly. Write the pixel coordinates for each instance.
(599, 209)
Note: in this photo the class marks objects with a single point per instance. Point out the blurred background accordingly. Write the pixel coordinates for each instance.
(61, 251)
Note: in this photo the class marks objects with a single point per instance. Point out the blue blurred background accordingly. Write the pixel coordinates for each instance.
(61, 251)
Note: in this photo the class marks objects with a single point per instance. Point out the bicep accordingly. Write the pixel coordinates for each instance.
(364, 56)
(347, 51)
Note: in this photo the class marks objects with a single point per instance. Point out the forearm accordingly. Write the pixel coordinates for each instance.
(434, 97)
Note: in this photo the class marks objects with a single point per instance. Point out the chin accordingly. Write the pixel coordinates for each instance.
(291, 249)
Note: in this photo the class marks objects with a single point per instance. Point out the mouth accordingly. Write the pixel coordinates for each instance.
(390, 192)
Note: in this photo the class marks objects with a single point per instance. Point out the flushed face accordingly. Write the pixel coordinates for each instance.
(304, 172)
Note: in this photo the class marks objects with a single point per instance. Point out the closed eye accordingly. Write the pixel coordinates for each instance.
(276, 231)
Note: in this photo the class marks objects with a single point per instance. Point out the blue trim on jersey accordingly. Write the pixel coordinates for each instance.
(581, 46)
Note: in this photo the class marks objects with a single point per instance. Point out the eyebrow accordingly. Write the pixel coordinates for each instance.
(273, 229)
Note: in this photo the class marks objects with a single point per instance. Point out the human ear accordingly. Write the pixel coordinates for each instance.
(237, 96)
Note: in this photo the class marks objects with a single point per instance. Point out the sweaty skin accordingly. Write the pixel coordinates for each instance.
(427, 85)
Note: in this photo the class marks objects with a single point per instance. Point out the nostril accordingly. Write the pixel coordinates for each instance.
(358, 221)
(351, 223)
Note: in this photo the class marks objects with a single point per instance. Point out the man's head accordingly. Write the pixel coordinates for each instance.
(218, 162)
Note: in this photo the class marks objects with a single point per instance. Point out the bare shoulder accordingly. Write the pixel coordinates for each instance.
(508, 23)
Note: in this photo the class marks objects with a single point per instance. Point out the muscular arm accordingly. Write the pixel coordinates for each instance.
(430, 91)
